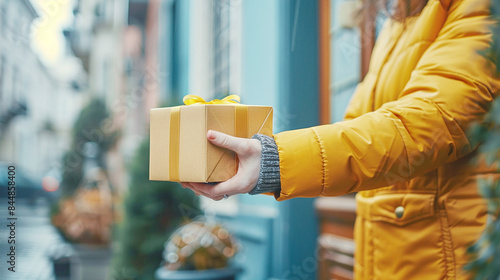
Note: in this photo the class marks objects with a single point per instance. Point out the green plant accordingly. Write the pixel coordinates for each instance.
(486, 252)
(152, 210)
(91, 125)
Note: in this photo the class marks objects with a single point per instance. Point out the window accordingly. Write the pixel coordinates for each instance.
(345, 51)
(227, 46)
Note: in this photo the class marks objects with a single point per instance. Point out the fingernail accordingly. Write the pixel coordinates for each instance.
(210, 135)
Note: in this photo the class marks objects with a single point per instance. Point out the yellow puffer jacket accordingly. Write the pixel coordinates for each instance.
(404, 146)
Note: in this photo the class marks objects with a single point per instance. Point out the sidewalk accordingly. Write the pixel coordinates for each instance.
(35, 238)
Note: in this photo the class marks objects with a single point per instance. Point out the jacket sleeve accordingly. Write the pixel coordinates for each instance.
(451, 88)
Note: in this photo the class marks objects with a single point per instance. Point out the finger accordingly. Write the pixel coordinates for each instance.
(196, 193)
(204, 193)
(212, 196)
(201, 191)
(218, 198)
(190, 187)
(229, 187)
(225, 141)
(205, 189)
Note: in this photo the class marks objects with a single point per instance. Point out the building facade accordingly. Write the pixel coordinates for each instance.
(37, 107)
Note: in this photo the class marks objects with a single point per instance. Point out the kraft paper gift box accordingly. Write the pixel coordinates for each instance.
(180, 150)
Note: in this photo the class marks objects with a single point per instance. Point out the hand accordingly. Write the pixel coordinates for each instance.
(248, 151)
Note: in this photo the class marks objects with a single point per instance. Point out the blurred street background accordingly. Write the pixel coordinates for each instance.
(36, 238)
(77, 80)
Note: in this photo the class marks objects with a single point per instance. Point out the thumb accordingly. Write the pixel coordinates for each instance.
(223, 140)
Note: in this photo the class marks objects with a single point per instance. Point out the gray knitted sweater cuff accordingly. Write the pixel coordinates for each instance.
(269, 174)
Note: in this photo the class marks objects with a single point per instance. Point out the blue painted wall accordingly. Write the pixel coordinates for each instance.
(260, 41)
(299, 103)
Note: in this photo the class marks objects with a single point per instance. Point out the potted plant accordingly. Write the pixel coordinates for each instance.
(201, 249)
(86, 220)
(85, 214)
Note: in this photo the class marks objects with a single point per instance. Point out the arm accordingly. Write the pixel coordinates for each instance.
(451, 88)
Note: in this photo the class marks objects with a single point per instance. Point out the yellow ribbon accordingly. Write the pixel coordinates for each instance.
(191, 99)
(241, 126)
(175, 127)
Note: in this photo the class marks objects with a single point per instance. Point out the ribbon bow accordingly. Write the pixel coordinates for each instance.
(191, 99)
